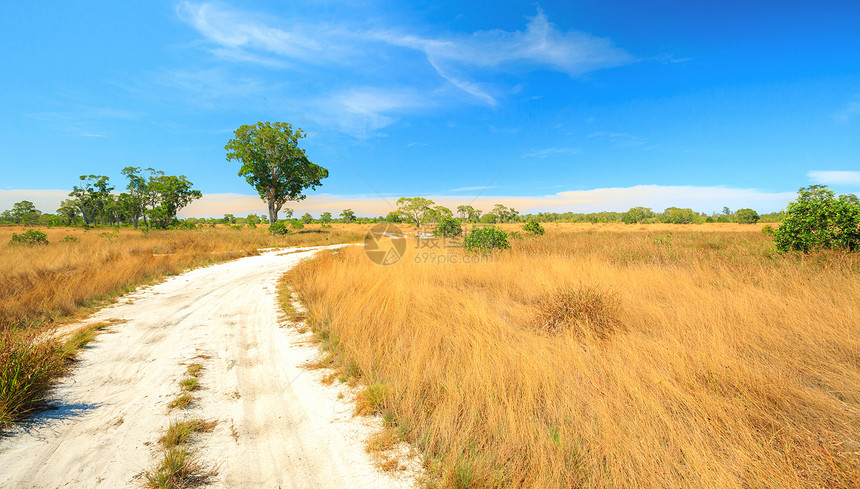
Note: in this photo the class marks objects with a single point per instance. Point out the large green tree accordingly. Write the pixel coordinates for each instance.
(273, 163)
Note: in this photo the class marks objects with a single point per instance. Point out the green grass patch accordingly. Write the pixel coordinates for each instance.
(180, 432)
(182, 402)
(189, 384)
(178, 468)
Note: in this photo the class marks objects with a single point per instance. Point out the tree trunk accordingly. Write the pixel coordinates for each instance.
(273, 211)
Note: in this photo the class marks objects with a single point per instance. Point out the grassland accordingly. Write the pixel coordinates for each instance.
(606, 356)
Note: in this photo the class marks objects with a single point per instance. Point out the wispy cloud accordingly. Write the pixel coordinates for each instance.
(461, 60)
(847, 178)
(621, 139)
(543, 153)
(850, 110)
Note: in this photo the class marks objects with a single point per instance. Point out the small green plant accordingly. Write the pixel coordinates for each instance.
(179, 432)
(486, 239)
(178, 467)
(189, 384)
(109, 235)
(278, 228)
(448, 228)
(194, 369)
(181, 402)
(31, 237)
(372, 399)
(236, 227)
(819, 220)
(296, 224)
(534, 227)
(71, 239)
(768, 229)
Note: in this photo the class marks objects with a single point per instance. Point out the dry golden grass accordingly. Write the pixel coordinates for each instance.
(39, 283)
(709, 360)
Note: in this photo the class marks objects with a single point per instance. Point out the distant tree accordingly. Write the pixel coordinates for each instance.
(174, 193)
(394, 217)
(746, 216)
(347, 215)
(504, 214)
(138, 193)
(273, 163)
(25, 213)
(69, 211)
(438, 213)
(819, 220)
(675, 215)
(637, 215)
(91, 195)
(307, 218)
(325, 217)
(415, 209)
(468, 213)
(228, 219)
(490, 218)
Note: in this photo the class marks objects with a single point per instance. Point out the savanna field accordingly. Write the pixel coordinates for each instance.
(605, 356)
(594, 356)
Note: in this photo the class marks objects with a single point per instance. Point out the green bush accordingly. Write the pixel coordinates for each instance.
(31, 237)
(278, 228)
(768, 229)
(296, 224)
(71, 239)
(746, 216)
(486, 239)
(448, 228)
(534, 227)
(819, 220)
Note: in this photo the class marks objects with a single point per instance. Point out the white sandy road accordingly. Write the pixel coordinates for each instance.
(277, 426)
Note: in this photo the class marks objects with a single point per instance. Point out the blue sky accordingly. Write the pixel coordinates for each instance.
(583, 106)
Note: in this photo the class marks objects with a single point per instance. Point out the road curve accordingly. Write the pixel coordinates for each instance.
(277, 427)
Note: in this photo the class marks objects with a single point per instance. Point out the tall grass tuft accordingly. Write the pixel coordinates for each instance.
(27, 368)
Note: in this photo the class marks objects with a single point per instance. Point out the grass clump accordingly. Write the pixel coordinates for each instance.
(180, 431)
(189, 384)
(194, 369)
(178, 468)
(181, 402)
(586, 311)
(27, 368)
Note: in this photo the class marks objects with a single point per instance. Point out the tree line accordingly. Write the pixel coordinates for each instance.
(151, 197)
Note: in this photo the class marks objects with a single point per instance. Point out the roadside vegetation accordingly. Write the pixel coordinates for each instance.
(606, 355)
(179, 465)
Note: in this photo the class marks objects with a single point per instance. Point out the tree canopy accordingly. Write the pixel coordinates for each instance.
(273, 163)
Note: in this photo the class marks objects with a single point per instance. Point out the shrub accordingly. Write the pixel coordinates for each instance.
(768, 229)
(448, 228)
(71, 239)
(746, 216)
(486, 239)
(31, 237)
(534, 227)
(296, 224)
(818, 220)
(278, 228)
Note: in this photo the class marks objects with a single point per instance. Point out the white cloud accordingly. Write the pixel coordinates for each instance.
(849, 178)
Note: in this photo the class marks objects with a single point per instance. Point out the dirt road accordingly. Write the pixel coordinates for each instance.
(277, 426)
